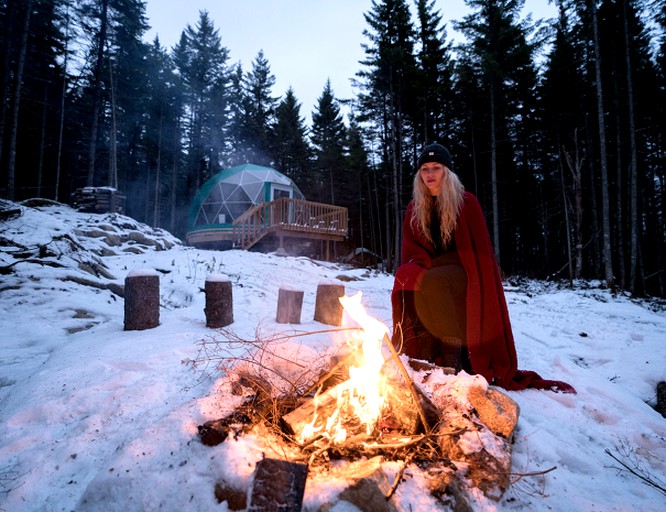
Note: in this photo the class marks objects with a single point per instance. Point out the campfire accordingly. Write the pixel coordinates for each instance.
(369, 417)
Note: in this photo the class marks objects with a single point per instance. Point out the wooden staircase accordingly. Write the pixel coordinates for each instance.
(294, 218)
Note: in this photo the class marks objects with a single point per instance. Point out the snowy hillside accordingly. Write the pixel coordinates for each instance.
(93, 417)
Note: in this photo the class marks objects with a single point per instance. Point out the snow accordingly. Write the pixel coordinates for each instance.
(93, 417)
(143, 272)
(217, 278)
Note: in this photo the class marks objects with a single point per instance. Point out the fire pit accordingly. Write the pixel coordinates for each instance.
(368, 419)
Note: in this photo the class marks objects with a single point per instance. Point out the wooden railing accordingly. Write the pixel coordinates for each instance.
(314, 220)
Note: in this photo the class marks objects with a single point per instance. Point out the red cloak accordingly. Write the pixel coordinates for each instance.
(489, 337)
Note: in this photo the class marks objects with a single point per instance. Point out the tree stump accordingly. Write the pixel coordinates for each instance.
(290, 303)
(328, 309)
(219, 301)
(278, 486)
(142, 300)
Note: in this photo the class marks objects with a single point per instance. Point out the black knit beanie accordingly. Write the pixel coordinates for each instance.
(435, 153)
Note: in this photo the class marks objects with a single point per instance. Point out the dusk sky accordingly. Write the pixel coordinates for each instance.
(306, 42)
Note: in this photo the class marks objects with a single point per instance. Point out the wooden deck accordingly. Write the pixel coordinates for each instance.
(294, 218)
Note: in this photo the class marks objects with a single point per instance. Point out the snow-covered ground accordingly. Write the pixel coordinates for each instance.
(93, 417)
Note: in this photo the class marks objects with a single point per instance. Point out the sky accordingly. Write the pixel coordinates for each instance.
(306, 42)
(97, 418)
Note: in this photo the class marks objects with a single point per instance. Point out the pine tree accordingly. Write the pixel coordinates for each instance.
(435, 120)
(498, 67)
(162, 137)
(328, 139)
(201, 61)
(289, 141)
(361, 226)
(29, 119)
(563, 96)
(237, 103)
(128, 91)
(387, 101)
(258, 111)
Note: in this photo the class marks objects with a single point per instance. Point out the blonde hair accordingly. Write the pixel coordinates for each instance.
(450, 199)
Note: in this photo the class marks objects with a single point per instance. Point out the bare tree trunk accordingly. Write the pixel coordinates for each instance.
(389, 234)
(97, 94)
(371, 217)
(567, 223)
(156, 210)
(605, 194)
(361, 231)
(578, 195)
(113, 150)
(61, 126)
(16, 103)
(396, 163)
(42, 137)
(619, 210)
(633, 165)
(7, 51)
(174, 181)
(375, 214)
(575, 167)
(474, 164)
(493, 168)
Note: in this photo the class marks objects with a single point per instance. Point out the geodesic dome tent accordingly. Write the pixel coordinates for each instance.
(229, 194)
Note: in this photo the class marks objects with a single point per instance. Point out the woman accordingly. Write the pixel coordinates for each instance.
(448, 300)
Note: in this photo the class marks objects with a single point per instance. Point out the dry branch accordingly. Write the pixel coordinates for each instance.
(635, 469)
(223, 355)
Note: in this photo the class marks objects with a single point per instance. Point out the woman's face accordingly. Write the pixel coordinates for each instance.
(432, 174)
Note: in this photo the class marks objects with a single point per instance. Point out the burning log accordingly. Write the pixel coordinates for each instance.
(317, 414)
(377, 397)
(278, 486)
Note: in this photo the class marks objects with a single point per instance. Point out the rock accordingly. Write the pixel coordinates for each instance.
(368, 486)
(469, 442)
(112, 240)
(496, 410)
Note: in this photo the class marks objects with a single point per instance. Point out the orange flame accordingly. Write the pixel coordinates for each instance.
(362, 397)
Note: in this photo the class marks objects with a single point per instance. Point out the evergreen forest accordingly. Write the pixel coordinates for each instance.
(557, 126)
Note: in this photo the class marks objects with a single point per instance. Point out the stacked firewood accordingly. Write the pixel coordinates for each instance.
(98, 200)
